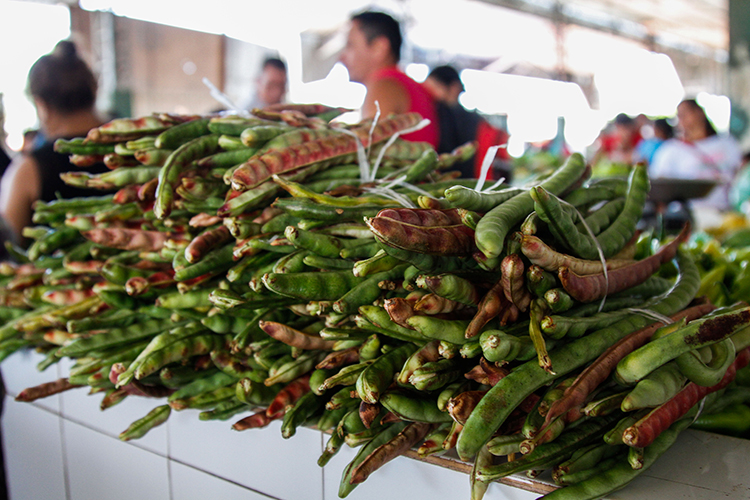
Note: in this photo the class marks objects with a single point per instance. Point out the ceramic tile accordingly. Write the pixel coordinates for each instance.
(19, 372)
(33, 452)
(191, 484)
(115, 470)
(77, 405)
(648, 488)
(721, 467)
(259, 459)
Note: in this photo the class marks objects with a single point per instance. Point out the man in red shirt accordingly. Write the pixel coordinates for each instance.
(371, 54)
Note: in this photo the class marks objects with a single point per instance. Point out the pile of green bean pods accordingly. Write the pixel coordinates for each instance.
(285, 267)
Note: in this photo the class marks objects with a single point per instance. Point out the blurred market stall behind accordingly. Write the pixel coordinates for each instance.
(525, 63)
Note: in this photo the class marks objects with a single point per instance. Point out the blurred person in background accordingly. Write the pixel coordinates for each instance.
(270, 85)
(645, 150)
(4, 157)
(739, 192)
(371, 55)
(699, 152)
(458, 125)
(619, 145)
(63, 89)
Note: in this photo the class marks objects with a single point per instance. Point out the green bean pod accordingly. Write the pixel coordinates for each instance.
(697, 333)
(656, 388)
(115, 337)
(413, 406)
(376, 378)
(622, 473)
(312, 285)
(507, 394)
(140, 427)
(495, 225)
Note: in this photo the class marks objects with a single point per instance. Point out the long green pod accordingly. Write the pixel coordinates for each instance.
(559, 449)
(140, 427)
(304, 408)
(376, 378)
(622, 229)
(431, 327)
(115, 337)
(698, 333)
(601, 218)
(384, 436)
(655, 388)
(367, 291)
(495, 225)
(160, 341)
(495, 407)
(329, 285)
(178, 350)
(208, 383)
(376, 319)
(173, 168)
(176, 136)
(470, 199)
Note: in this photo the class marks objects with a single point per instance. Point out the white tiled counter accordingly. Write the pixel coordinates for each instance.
(63, 447)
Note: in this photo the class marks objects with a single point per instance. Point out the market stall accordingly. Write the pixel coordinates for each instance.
(361, 312)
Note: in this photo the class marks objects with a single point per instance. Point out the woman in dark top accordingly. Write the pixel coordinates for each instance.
(63, 89)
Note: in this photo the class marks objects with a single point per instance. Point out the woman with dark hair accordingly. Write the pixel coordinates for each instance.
(699, 152)
(63, 89)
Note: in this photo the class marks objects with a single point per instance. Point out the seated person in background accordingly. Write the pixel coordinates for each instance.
(459, 125)
(270, 85)
(63, 89)
(619, 145)
(372, 51)
(699, 153)
(645, 150)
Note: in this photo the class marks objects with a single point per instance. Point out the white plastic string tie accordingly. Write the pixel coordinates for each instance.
(700, 410)
(372, 127)
(497, 183)
(651, 315)
(219, 95)
(419, 126)
(489, 157)
(364, 165)
(598, 248)
(400, 182)
(388, 192)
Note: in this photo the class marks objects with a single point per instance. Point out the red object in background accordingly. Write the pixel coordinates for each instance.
(488, 136)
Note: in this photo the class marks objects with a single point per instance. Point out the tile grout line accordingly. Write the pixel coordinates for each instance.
(322, 469)
(169, 462)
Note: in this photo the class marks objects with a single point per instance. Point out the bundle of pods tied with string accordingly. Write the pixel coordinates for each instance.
(291, 269)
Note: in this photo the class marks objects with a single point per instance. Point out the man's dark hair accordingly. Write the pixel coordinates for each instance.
(274, 62)
(447, 75)
(375, 24)
(623, 119)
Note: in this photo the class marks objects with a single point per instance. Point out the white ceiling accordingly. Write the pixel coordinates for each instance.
(693, 25)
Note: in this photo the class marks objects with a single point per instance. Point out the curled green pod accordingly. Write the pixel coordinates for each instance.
(708, 373)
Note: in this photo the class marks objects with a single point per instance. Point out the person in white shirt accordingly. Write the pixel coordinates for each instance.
(699, 152)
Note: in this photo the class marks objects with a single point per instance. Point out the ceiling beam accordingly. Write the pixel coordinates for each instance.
(561, 12)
